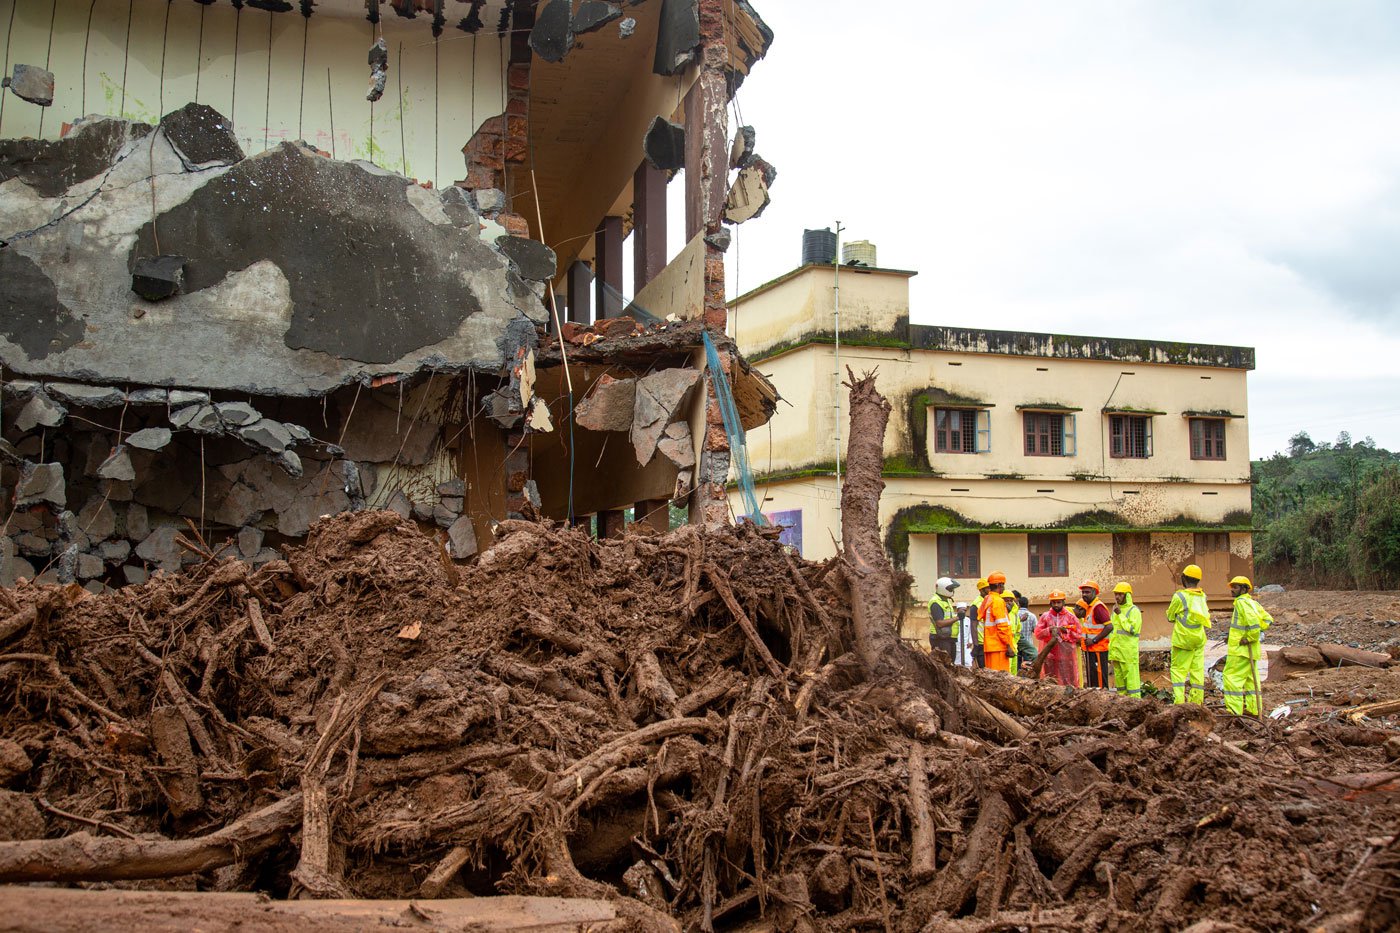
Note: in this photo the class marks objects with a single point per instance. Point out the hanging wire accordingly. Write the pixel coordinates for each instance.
(403, 147)
(10, 34)
(48, 60)
(198, 54)
(126, 55)
(301, 100)
(87, 37)
(164, 42)
(437, 82)
(267, 100)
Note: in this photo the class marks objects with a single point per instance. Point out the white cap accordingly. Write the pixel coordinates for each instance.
(960, 606)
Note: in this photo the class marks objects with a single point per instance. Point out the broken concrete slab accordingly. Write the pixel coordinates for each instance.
(91, 396)
(205, 420)
(532, 259)
(180, 397)
(250, 541)
(461, 538)
(32, 83)
(118, 465)
(378, 69)
(267, 434)
(22, 388)
(201, 135)
(156, 278)
(609, 407)
(138, 522)
(88, 566)
(720, 239)
(677, 445)
(553, 34)
(659, 399)
(150, 438)
(489, 200)
(664, 145)
(236, 413)
(159, 548)
(134, 575)
(40, 482)
(741, 151)
(677, 37)
(97, 520)
(114, 552)
(749, 195)
(595, 14)
(40, 411)
(399, 503)
(148, 397)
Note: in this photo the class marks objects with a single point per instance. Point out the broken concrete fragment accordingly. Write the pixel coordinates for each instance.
(33, 545)
(443, 517)
(553, 33)
(490, 200)
(156, 278)
(677, 445)
(159, 548)
(40, 411)
(134, 575)
(609, 407)
(205, 420)
(40, 482)
(720, 239)
(664, 144)
(452, 487)
(659, 398)
(532, 259)
(378, 69)
(289, 462)
(32, 83)
(92, 396)
(150, 438)
(749, 195)
(677, 37)
(237, 413)
(201, 135)
(114, 551)
(88, 566)
(181, 417)
(594, 14)
(115, 490)
(398, 502)
(461, 538)
(250, 541)
(741, 152)
(21, 388)
(180, 397)
(453, 504)
(118, 465)
(138, 521)
(268, 434)
(148, 397)
(298, 433)
(626, 28)
(422, 511)
(97, 520)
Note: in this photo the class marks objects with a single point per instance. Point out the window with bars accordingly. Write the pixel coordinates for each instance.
(1048, 555)
(959, 556)
(961, 431)
(1212, 542)
(1207, 439)
(1132, 553)
(1049, 434)
(1130, 436)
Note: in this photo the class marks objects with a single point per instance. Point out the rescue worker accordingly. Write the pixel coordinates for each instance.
(1013, 622)
(942, 619)
(1058, 633)
(996, 629)
(1025, 642)
(1123, 641)
(965, 625)
(1189, 614)
(1098, 626)
(983, 589)
(1248, 622)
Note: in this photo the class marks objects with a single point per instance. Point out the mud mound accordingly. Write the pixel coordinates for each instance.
(677, 723)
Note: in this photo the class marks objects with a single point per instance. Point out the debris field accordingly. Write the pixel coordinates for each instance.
(697, 726)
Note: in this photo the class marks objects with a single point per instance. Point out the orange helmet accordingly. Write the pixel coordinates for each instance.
(995, 578)
(1090, 584)
(1055, 594)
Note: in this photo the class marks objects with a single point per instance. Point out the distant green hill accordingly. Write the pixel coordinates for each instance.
(1328, 514)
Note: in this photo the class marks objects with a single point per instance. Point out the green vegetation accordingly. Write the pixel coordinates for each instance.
(1328, 514)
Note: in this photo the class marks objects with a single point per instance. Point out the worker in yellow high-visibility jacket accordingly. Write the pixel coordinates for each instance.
(1189, 614)
(1248, 623)
(1123, 642)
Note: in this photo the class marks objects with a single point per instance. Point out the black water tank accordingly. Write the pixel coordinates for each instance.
(818, 246)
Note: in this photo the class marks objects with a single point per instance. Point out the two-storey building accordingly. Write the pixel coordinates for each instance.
(1050, 457)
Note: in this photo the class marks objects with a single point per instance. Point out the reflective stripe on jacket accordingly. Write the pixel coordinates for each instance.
(1189, 614)
(949, 613)
(996, 630)
(1248, 623)
(1127, 630)
(1092, 627)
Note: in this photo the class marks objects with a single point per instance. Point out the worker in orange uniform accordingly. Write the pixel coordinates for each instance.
(1058, 635)
(996, 624)
(1097, 625)
(978, 655)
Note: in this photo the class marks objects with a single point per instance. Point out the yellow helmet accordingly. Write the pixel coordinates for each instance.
(1124, 587)
(1192, 571)
(982, 583)
(1242, 581)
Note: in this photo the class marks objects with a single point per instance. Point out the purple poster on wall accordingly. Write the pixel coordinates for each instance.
(790, 521)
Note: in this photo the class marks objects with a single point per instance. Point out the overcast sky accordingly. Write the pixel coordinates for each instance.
(1215, 170)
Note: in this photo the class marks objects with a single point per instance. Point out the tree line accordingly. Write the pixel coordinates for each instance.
(1328, 515)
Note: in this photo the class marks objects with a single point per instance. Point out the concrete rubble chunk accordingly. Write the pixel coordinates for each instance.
(423, 512)
(156, 278)
(677, 37)
(181, 417)
(553, 33)
(134, 575)
(32, 83)
(150, 438)
(206, 421)
(180, 397)
(159, 548)
(659, 399)
(452, 487)
(250, 541)
(201, 135)
(237, 413)
(239, 506)
(749, 195)
(664, 144)
(148, 397)
(443, 517)
(289, 462)
(461, 538)
(267, 434)
(609, 407)
(532, 259)
(453, 504)
(97, 520)
(626, 28)
(40, 411)
(89, 566)
(399, 503)
(741, 152)
(489, 200)
(116, 490)
(118, 465)
(138, 521)
(21, 388)
(720, 239)
(378, 69)
(299, 434)
(40, 482)
(114, 552)
(32, 545)
(91, 396)
(677, 445)
(595, 14)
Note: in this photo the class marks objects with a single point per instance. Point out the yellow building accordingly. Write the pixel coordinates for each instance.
(1052, 458)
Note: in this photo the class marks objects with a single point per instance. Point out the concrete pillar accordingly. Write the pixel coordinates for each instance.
(648, 224)
(611, 522)
(654, 514)
(607, 265)
(579, 282)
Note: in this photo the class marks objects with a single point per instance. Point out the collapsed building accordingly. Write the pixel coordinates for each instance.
(239, 292)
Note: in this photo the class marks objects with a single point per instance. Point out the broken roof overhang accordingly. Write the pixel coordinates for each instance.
(302, 273)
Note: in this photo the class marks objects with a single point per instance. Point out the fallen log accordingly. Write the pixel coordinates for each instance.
(84, 857)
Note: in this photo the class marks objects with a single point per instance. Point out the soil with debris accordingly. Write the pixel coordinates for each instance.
(1367, 619)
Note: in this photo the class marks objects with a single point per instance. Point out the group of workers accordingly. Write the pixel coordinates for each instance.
(1089, 644)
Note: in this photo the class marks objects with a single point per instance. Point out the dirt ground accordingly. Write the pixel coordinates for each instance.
(1360, 618)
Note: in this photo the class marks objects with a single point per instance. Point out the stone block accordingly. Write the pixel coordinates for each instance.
(659, 399)
(97, 520)
(400, 504)
(41, 482)
(32, 83)
(32, 545)
(250, 541)
(118, 465)
(114, 552)
(40, 411)
(156, 278)
(443, 517)
(609, 407)
(532, 259)
(89, 566)
(159, 548)
(134, 575)
(461, 538)
(138, 521)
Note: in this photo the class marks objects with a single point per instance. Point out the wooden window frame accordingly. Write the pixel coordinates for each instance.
(1038, 430)
(960, 556)
(1130, 437)
(1047, 555)
(1141, 550)
(1211, 542)
(1204, 447)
